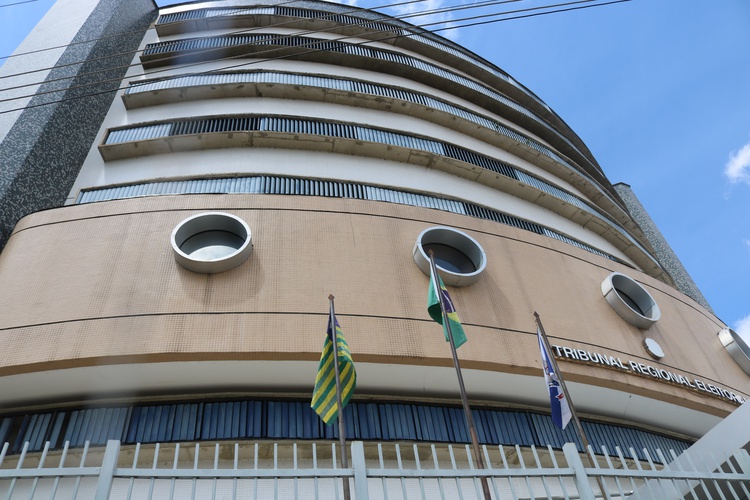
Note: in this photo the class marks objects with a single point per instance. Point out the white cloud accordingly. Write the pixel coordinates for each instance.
(742, 327)
(737, 168)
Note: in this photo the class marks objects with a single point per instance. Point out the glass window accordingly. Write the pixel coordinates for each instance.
(211, 242)
(460, 259)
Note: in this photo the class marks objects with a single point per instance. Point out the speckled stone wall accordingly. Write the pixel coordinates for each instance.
(663, 252)
(45, 148)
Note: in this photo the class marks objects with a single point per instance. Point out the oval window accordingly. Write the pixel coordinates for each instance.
(737, 348)
(630, 300)
(458, 256)
(211, 242)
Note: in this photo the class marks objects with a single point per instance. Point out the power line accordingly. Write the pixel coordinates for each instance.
(247, 30)
(17, 3)
(298, 53)
(122, 33)
(75, 63)
(539, 14)
(285, 56)
(483, 3)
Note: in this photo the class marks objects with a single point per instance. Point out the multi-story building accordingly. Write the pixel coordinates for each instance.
(189, 184)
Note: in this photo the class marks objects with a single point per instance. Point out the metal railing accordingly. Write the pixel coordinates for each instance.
(302, 470)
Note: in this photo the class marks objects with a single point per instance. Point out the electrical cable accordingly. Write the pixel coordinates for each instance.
(484, 3)
(480, 4)
(122, 33)
(17, 3)
(236, 32)
(408, 15)
(256, 61)
(540, 13)
(247, 30)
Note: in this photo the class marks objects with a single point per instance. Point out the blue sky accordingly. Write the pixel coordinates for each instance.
(660, 92)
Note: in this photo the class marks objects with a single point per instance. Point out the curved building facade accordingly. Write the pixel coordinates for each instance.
(338, 136)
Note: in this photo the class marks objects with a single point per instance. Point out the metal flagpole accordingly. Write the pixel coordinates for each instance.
(462, 388)
(573, 414)
(342, 426)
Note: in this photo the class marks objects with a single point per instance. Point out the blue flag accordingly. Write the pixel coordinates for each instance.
(561, 414)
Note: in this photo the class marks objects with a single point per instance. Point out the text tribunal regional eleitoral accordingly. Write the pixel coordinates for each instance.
(643, 369)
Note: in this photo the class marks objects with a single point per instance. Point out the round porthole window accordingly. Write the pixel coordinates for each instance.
(737, 348)
(211, 242)
(630, 300)
(458, 256)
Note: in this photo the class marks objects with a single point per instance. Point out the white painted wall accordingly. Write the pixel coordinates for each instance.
(367, 117)
(324, 69)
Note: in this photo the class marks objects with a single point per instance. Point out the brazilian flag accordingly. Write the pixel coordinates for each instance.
(324, 395)
(435, 312)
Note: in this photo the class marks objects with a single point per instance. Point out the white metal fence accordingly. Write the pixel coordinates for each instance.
(390, 471)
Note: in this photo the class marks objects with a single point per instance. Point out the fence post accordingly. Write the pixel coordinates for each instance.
(360, 471)
(582, 480)
(743, 461)
(107, 473)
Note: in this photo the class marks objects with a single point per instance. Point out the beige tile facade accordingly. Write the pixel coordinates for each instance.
(97, 284)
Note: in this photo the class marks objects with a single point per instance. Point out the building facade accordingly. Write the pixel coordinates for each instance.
(189, 184)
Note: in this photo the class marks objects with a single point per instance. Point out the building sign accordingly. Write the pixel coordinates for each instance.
(646, 370)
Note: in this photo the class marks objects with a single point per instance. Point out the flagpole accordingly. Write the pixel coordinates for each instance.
(462, 388)
(573, 413)
(342, 426)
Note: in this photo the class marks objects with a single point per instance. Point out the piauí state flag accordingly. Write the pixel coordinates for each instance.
(324, 395)
(433, 309)
(560, 408)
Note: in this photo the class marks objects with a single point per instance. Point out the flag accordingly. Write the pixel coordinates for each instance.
(435, 312)
(324, 395)
(561, 414)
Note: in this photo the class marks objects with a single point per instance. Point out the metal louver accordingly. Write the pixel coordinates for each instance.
(315, 187)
